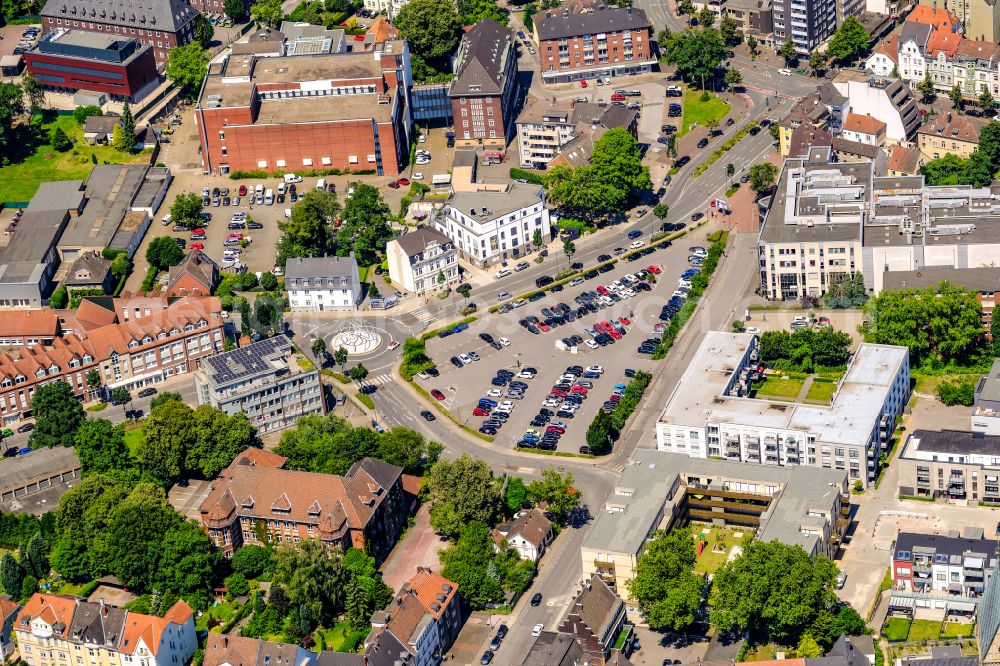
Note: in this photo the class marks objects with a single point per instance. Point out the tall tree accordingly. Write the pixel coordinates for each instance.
(11, 106)
(163, 252)
(706, 17)
(366, 228)
(431, 27)
(733, 78)
(59, 140)
(817, 62)
(235, 9)
(556, 490)
(187, 66)
(58, 415)
(762, 177)
(217, 439)
(986, 101)
(752, 46)
(926, 89)
(788, 52)
(729, 29)
(11, 575)
(267, 12)
(955, 95)
(167, 438)
(462, 491)
(100, 446)
(665, 586)
(308, 232)
(33, 91)
(696, 53)
(127, 123)
(186, 208)
(34, 556)
(849, 41)
(203, 30)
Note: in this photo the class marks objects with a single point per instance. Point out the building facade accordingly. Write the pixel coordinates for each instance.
(8, 613)
(596, 42)
(161, 24)
(318, 284)
(753, 17)
(808, 24)
(347, 111)
(490, 227)
(418, 259)
(485, 91)
(68, 61)
(235, 650)
(363, 509)
(597, 621)
(550, 132)
(942, 570)
(528, 532)
(980, 19)
(262, 381)
(951, 464)
(949, 133)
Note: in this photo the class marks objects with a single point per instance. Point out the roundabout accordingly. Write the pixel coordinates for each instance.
(357, 337)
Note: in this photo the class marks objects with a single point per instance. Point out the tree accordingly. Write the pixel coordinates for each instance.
(665, 586)
(251, 560)
(706, 17)
(569, 249)
(358, 373)
(365, 229)
(235, 9)
(59, 140)
(94, 379)
(729, 29)
(34, 556)
(100, 445)
(163, 253)
(11, 106)
(432, 27)
(556, 490)
(340, 356)
(849, 41)
(989, 141)
(957, 392)
(308, 232)
(81, 113)
(817, 62)
(696, 53)
(58, 415)
(59, 298)
(33, 91)
(167, 437)
(944, 170)
(312, 577)
(762, 177)
(516, 494)
(318, 349)
(164, 397)
(752, 46)
(120, 265)
(267, 12)
(808, 648)
(978, 170)
(460, 492)
(217, 439)
(187, 66)
(601, 433)
(536, 239)
(203, 30)
(125, 140)
(268, 282)
(788, 52)
(237, 585)
(121, 395)
(685, 8)
(186, 208)
(470, 563)
(955, 95)
(11, 575)
(733, 79)
(926, 89)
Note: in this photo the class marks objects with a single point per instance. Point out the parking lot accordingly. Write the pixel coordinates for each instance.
(462, 388)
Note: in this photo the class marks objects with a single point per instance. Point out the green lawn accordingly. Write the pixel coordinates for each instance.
(709, 561)
(133, 438)
(341, 638)
(957, 630)
(696, 111)
(766, 652)
(924, 630)
(781, 387)
(896, 629)
(34, 160)
(821, 390)
(221, 612)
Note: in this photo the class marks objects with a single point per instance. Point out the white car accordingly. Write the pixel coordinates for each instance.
(423, 375)
(504, 341)
(524, 374)
(637, 244)
(785, 72)
(537, 629)
(575, 281)
(494, 393)
(591, 344)
(393, 344)
(418, 175)
(465, 358)
(502, 273)
(752, 329)
(595, 368)
(506, 405)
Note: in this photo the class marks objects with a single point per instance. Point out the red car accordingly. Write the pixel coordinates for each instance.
(613, 333)
(403, 181)
(655, 270)
(479, 411)
(542, 326)
(624, 321)
(602, 290)
(615, 397)
(579, 389)
(243, 190)
(583, 83)
(437, 394)
(555, 428)
(199, 230)
(198, 245)
(394, 185)
(558, 392)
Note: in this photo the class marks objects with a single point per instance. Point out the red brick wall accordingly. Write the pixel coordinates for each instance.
(640, 51)
(466, 123)
(159, 40)
(136, 75)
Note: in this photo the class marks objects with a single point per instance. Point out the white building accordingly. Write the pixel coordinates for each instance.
(940, 571)
(529, 533)
(320, 284)
(884, 99)
(709, 415)
(418, 259)
(490, 227)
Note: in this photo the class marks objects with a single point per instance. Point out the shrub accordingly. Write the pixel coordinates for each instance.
(957, 392)
(59, 298)
(365, 400)
(521, 174)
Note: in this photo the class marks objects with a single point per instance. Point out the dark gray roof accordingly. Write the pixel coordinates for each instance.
(957, 442)
(92, 263)
(553, 649)
(952, 661)
(97, 624)
(482, 57)
(552, 24)
(167, 15)
(385, 474)
(917, 32)
(977, 279)
(416, 242)
(23, 260)
(60, 195)
(850, 651)
(332, 271)
(331, 658)
(39, 464)
(386, 651)
(829, 94)
(940, 544)
(855, 148)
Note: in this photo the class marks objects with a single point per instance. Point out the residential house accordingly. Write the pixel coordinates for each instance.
(485, 90)
(235, 650)
(599, 41)
(99, 129)
(8, 613)
(887, 100)
(942, 571)
(753, 17)
(554, 132)
(196, 275)
(855, 151)
(864, 129)
(597, 621)
(424, 618)
(979, 19)
(903, 161)
(439, 597)
(89, 271)
(316, 284)
(363, 509)
(853, 651)
(810, 111)
(552, 648)
(419, 259)
(949, 133)
(262, 381)
(954, 464)
(59, 629)
(528, 532)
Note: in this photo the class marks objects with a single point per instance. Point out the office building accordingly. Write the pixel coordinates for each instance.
(599, 41)
(490, 227)
(711, 413)
(68, 61)
(318, 284)
(802, 506)
(951, 464)
(940, 571)
(264, 382)
(363, 509)
(485, 90)
(418, 260)
(345, 111)
(160, 24)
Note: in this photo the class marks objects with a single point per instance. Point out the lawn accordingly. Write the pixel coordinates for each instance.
(766, 652)
(709, 561)
(697, 111)
(34, 160)
(896, 629)
(782, 387)
(221, 612)
(924, 630)
(957, 630)
(341, 638)
(133, 438)
(821, 390)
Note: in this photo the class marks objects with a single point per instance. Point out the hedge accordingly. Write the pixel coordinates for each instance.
(415, 358)
(521, 174)
(630, 399)
(262, 173)
(729, 144)
(343, 379)
(365, 400)
(149, 280)
(436, 331)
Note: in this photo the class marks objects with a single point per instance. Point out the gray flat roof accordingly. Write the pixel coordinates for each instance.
(499, 204)
(642, 491)
(110, 191)
(977, 279)
(57, 195)
(954, 442)
(39, 464)
(37, 232)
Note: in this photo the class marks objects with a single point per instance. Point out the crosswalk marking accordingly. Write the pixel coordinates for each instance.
(424, 315)
(379, 379)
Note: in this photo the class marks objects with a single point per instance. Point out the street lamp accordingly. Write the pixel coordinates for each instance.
(517, 357)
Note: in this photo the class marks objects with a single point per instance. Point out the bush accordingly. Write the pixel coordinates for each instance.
(365, 400)
(957, 392)
(415, 358)
(81, 113)
(149, 280)
(59, 298)
(111, 253)
(521, 174)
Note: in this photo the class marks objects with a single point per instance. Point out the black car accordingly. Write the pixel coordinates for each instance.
(495, 643)
(486, 337)
(697, 216)
(27, 427)
(590, 275)
(254, 225)
(146, 392)
(456, 361)
(702, 143)
(537, 296)
(433, 372)
(604, 268)
(681, 161)
(629, 372)
(487, 657)
(604, 257)
(488, 431)
(502, 631)
(754, 131)
(577, 265)
(368, 389)
(536, 600)
(427, 415)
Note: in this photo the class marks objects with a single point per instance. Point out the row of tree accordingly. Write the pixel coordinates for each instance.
(978, 170)
(805, 349)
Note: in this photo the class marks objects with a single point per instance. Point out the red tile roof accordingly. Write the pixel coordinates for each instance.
(149, 628)
(903, 159)
(7, 607)
(431, 588)
(889, 47)
(938, 17)
(855, 122)
(943, 42)
(56, 610)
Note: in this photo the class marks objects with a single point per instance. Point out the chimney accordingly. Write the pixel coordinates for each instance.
(949, 116)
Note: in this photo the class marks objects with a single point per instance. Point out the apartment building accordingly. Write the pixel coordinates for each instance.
(424, 618)
(808, 23)
(132, 341)
(318, 284)
(753, 17)
(485, 91)
(986, 405)
(161, 24)
(552, 132)
(419, 258)
(599, 41)
(951, 464)
(345, 111)
(55, 630)
(598, 622)
(887, 100)
(950, 133)
(711, 413)
(980, 19)
(863, 129)
(262, 381)
(489, 227)
(235, 650)
(943, 571)
(803, 506)
(8, 613)
(363, 509)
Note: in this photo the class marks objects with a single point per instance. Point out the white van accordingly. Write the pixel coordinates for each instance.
(259, 189)
(269, 197)
(288, 213)
(167, 219)
(502, 273)
(292, 178)
(321, 184)
(281, 187)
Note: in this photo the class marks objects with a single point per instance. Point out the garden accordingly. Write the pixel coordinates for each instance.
(718, 543)
(703, 112)
(900, 629)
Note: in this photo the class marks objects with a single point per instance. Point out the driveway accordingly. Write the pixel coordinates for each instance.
(419, 548)
(187, 500)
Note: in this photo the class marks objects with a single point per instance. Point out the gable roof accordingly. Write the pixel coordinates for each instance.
(168, 15)
(903, 159)
(94, 265)
(7, 608)
(889, 47)
(148, 629)
(532, 526)
(482, 60)
(432, 590)
(415, 242)
(239, 651)
(917, 33)
(199, 267)
(955, 127)
(56, 610)
(100, 124)
(938, 17)
(855, 122)
(598, 605)
(943, 42)
(553, 24)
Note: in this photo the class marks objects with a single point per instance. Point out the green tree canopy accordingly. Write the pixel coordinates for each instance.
(100, 446)
(186, 208)
(788, 52)
(665, 586)
(431, 27)
(366, 228)
(697, 54)
(235, 9)
(762, 176)
(849, 41)
(926, 89)
(462, 491)
(58, 415)
(267, 12)
(556, 490)
(187, 66)
(308, 233)
(11, 106)
(163, 252)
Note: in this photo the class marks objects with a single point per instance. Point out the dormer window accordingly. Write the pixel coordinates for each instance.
(174, 331)
(20, 379)
(40, 373)
(53, 369)
(133, 343)
(189, 327)
(146, 340)
(247, 502)
(74, 362)
(161, 335)
(87, 358)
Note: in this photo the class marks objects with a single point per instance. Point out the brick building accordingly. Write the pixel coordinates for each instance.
(162, 24)
(72, 60)
(363, 509)
(484, 92)
(597, 42)
(295, 113)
